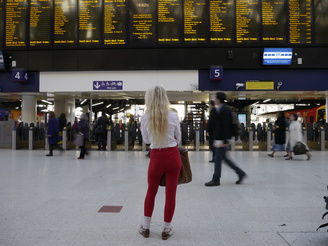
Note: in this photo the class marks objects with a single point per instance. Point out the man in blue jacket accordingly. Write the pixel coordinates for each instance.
(221, 123)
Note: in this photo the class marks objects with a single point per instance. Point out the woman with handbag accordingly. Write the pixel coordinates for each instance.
(161, 129)
(295, 137)
(83, 128)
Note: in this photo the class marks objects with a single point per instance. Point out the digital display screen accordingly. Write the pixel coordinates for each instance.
(47, 24)
(274, 21)
(90, 21)
(65, 26)
(242, 118)
(169, 21)
(40, 21)
(222, 29)
(321, 21)
(142, 22)
(16, 23)
(195, 21)
(2, 23)
(277, 56)
(115, 22)
(300, 22)
(247, 21)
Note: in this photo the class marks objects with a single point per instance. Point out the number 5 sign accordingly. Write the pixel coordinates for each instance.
(19, 76)
(216, 73)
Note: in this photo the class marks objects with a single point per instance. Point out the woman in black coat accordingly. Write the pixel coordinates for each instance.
(279, 133)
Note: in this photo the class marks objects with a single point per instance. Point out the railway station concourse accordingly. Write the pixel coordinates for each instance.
(75, 57)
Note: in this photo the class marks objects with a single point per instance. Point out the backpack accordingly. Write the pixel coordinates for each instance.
(235, 125)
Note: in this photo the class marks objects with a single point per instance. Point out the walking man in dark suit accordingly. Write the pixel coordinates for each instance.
(221, 123)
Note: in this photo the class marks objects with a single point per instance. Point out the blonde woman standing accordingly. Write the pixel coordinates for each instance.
(161, 129)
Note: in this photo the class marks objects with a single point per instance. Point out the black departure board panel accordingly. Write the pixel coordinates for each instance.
(16, 23)
(2, 23)
(300, 21)
(65, 23)
(169, 22)
(195, 16)
(142, 22)
(90, 22)
(321, 21)
(274, 21)
(115, 32)
(83, 24)
(40, 23)
(247, 21)
(222, 26)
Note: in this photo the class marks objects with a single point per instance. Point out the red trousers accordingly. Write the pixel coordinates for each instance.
(166, 160)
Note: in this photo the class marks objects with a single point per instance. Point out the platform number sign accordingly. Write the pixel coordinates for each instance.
(20, 76)
(216, 73)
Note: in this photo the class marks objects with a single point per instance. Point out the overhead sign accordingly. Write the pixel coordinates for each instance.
(107, 85)
(20, 76)
(216, 73)
(259, 85)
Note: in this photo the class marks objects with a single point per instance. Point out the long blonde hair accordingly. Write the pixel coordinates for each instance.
(158, 107)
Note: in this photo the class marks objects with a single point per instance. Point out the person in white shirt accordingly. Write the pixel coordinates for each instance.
(161, 129)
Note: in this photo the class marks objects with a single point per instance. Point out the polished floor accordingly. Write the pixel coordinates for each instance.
(55, 201)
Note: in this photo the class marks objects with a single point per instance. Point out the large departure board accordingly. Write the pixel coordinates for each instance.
(222, 28)
(83, 24)
(2, 23)
(90, 22)
(40, 23)
(169, 22)
(16, 23)
(142, 22)
(300, 22)
(115, 12)
(65, 23)
(195, 16)
(274, 21)
(321, 21)
(247, 21)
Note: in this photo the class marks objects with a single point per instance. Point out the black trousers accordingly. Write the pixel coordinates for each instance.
(220, 155)
(83, 151)
(102, 141)
(212, 148)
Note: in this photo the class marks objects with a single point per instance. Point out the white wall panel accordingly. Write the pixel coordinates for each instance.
(175, 80)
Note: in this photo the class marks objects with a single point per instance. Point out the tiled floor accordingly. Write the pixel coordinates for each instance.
(55, 201)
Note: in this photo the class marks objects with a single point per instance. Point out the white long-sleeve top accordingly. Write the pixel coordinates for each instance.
(173, 134)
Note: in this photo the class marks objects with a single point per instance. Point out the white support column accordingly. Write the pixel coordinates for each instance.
(66, 106)
(29, 109)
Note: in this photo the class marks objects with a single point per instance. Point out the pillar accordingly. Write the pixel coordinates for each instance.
(29, 109)
(66, 106)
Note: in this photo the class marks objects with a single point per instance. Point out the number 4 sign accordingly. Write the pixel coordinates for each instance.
(20, 76)
(216, 73)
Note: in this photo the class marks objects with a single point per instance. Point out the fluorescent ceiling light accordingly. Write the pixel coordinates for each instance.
(97, 104)
(83, 101)
(267, 100)
(108, 105)
(46, 101)
(116, 108)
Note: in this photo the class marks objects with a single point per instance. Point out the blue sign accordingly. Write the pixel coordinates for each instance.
(107, 85)
(216, 73)
(19, 76)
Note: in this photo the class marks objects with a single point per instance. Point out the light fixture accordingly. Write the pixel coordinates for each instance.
(108, 105)
(83, 101)
(97, 104)
(267, 100)
(116, 108)
(46, 101)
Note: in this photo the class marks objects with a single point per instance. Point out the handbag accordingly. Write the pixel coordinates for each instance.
(79, 139)
(185, 173)
(299, 149)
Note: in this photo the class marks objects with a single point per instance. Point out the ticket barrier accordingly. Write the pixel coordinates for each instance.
(37, 135)
(68, 138)
(6, 133)
(316, 137)
(20, 137)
